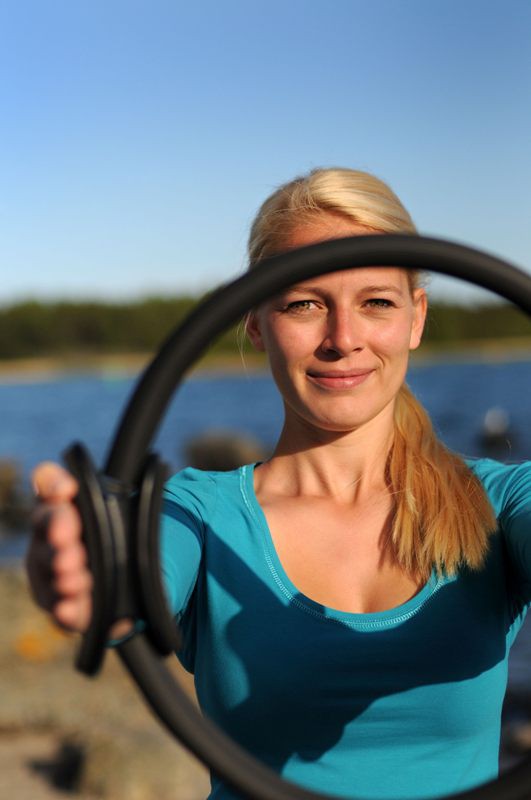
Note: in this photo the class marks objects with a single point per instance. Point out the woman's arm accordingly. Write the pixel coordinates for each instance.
(509, 489)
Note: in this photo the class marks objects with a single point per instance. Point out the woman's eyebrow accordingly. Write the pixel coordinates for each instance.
(371, 288)
(304, 289)
(383, 288)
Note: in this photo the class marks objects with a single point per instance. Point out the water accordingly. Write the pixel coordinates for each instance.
(40, 417)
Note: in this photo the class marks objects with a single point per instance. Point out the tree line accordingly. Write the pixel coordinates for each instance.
(42, 329)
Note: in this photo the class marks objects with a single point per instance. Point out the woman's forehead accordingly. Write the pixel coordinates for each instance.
(325, 226)
(322, 227)
(357, 279)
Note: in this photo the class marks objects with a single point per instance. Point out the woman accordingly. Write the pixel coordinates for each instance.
(348, 605)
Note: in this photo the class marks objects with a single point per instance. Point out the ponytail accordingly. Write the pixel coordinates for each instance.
(442, 515)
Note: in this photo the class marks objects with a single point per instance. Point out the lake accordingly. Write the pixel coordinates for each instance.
(41, 416)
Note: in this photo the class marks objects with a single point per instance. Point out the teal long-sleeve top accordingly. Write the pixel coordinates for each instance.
(396, 705)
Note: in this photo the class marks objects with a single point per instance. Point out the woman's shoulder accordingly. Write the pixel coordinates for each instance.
(503, 481)
(485, 467)
(197, 488)
(198, 479)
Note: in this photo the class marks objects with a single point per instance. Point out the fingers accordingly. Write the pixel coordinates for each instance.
(70, 574)
(59, 577)
(72, 584)
(73, 613)
(56, 561)
(52, 483)
(69, 558)
(61, 523)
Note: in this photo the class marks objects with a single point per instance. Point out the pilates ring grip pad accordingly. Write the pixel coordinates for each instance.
(120, 506)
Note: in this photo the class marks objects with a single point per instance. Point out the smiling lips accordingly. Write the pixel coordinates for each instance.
(336, 379)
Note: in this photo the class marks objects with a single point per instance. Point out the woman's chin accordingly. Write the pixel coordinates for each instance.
(342, 422)
(339, 426)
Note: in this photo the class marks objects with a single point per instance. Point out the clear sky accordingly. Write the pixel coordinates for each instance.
(138, 137)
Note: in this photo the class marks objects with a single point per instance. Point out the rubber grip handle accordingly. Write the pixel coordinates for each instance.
(98, 539)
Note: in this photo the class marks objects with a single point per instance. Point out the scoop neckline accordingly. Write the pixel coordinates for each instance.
(375, 620)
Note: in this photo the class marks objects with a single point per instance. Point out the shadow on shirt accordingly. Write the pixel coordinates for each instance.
(290, 683)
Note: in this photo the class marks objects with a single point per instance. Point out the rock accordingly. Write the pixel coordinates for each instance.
(15, 501)
(66, 733)
(517, 738)
(222, 450)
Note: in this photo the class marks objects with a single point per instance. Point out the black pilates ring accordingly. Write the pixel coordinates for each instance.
(120, 505)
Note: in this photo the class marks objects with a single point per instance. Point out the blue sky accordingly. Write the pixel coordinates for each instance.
(138, 138)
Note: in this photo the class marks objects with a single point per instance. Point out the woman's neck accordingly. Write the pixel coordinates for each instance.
(347, 467)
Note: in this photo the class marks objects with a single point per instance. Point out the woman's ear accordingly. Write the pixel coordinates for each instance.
(252, 329)
(420, 308)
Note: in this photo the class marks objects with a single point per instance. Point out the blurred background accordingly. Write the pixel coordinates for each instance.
(137, 141)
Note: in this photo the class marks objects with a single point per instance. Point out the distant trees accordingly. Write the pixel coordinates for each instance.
(37, 329)
(452, 324)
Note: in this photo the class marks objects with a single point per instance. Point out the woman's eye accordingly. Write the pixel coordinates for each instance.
(379, 302)
(300, 306)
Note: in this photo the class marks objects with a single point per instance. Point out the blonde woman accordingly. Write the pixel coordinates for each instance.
(349, 604)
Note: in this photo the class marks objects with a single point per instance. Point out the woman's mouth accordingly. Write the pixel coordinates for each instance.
(336, 379)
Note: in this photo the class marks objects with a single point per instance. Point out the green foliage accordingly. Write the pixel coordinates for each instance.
(33, 329)
(36, 329)
(451, 324)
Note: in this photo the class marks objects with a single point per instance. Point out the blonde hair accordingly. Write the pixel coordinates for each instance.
(442, 515)
(358, 196)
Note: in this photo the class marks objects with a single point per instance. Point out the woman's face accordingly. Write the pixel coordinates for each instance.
(338, 344)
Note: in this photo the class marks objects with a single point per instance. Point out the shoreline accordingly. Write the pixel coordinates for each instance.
(131, 364)
(119, 364)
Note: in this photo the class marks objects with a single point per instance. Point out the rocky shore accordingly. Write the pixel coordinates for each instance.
(63, 734)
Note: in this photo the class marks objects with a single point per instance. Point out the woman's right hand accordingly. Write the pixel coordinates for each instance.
(56, 562)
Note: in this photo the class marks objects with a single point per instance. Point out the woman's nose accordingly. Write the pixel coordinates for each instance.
(343, 333)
